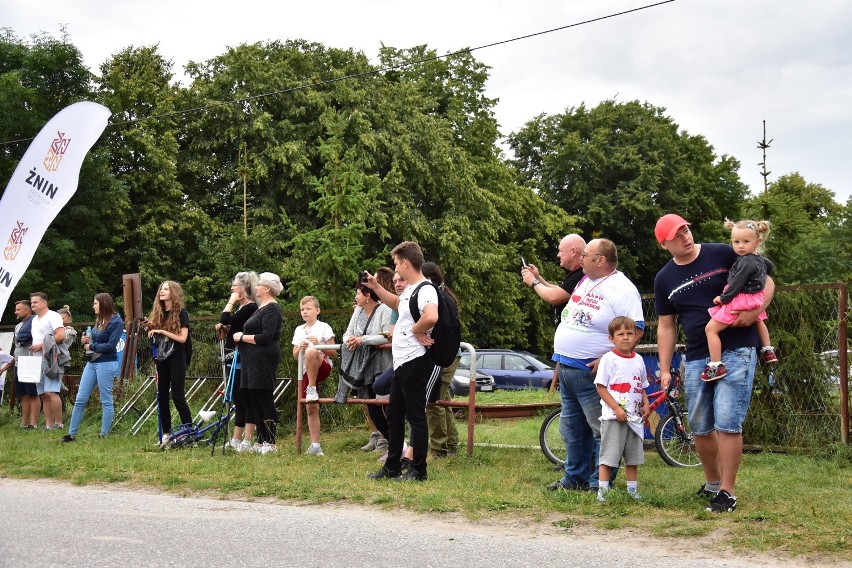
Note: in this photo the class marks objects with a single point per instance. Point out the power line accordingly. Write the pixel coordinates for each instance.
(371, 72)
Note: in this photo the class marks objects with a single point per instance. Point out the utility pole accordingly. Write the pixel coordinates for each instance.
(763, 145)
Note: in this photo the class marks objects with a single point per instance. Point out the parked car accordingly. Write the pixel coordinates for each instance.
(460, 385)
(513, 370)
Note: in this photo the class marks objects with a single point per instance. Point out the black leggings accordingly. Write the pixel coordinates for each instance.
(377, 414)
(171, 375)
(261, 403)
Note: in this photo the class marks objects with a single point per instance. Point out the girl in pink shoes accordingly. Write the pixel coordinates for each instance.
(744, 291)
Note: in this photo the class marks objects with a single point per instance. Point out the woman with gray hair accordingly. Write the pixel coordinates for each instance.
(260, 350)
(240, 307)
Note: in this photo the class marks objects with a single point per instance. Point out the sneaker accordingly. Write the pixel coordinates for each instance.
(58, 426)
(234, 444)
(371, 443)
(268, 448)
(723, 502)
(383, 473)
(315, 451)
(768, 356)
(381, 445)
(705, 493)
(602, 491)
(411, 475)
(244, 446)
(68, 438)
(311, 395)
(165, 442)
(556, 486)
(634, 492)
(713, 374)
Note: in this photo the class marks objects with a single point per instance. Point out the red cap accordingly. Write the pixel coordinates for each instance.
(668, 226)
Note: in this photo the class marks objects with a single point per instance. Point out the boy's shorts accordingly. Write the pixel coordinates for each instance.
(618, 439)
(322, 374)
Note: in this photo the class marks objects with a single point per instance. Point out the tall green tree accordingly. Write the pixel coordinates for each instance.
(809, 240)
(77, 256)
(618, 167)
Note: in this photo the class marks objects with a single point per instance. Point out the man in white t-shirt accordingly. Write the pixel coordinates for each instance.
(581, 339)
(413, 366)
(47, 322)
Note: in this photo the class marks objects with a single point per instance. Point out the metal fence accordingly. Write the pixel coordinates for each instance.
(803, 403)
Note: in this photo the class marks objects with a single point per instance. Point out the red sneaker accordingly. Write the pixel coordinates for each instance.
(768, 356)
(710, 374)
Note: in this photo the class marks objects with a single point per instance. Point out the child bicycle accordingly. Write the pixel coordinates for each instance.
(673, 438)
(196, 433)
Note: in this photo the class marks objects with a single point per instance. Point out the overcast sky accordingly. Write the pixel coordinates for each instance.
(719, 67)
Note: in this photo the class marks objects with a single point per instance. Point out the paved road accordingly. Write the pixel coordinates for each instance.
(46, 523)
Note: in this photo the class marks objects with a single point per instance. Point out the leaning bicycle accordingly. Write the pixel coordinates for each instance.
(673, 437)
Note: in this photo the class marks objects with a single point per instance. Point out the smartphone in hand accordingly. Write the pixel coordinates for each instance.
(523, 263)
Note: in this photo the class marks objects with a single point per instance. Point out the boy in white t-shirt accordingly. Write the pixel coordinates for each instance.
(317, 363)
(621, 381)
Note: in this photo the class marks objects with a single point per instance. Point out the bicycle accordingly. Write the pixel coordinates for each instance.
(196, 434)
(673, 437)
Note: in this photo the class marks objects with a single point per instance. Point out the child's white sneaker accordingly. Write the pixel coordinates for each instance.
(602, 491)
(311, 395)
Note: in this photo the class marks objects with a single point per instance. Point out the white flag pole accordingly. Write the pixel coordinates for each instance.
(42, 184)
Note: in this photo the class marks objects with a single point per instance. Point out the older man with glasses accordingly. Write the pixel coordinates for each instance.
(581, 340)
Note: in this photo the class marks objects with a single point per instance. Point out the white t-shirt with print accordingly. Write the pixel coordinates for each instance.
(321, 330)
(45, 325)
(626, 379)
(583, 332)
(405, 346)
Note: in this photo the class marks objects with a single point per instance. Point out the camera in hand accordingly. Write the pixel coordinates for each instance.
(362, 277)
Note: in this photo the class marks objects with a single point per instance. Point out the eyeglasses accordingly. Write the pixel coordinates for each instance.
(584, 254)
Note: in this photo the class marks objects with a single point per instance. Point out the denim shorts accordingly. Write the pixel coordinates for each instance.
(49, 385)
(720, 405)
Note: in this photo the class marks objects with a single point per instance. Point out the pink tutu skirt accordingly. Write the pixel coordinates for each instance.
(741, 302)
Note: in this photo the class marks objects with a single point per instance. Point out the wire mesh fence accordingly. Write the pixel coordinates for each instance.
(797, 405)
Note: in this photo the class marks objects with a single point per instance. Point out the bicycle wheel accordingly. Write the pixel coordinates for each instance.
(550, 439)
(183, 436)
(674, 441)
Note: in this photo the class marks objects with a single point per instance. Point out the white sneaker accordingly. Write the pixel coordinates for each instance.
(311, 395)
(165, 442)
(234, 444)
(315, 451)
(244, 446)
(268, 448)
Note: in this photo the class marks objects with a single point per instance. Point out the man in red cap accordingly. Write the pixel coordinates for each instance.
(684, 288)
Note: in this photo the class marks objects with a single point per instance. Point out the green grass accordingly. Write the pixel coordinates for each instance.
(789, 504)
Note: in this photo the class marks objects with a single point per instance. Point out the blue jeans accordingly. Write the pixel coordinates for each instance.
(580, 426)
(722, 404)
(102, 374)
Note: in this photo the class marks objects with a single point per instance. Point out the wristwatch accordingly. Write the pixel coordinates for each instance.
(535, 283)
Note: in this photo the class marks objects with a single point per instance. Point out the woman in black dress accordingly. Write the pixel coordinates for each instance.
(240, 307)
(260, 350)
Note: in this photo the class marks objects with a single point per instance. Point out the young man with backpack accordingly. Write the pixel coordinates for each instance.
(414, 368)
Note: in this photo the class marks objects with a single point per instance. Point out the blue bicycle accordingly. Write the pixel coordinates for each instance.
(204, 432)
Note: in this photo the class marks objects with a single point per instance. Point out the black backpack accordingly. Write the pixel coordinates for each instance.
(447, 330)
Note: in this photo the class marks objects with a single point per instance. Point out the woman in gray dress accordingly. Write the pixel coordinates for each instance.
(260, 349)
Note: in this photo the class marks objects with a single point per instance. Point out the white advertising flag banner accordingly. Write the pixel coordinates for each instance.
(42, 184)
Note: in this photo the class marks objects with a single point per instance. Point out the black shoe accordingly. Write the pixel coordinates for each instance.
(411, 475)
(68, 438)
(404, 466)
(723, 502)
(384, 473)
(705, 493)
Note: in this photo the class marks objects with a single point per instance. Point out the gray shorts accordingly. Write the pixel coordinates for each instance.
(618, 439)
